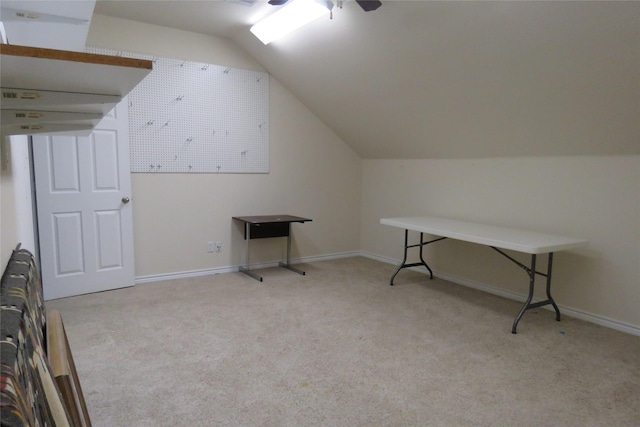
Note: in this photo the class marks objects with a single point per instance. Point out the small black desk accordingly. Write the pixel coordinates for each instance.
(264, 226)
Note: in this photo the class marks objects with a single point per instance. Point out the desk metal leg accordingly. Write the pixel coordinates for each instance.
(288, 263)
(245, 270)
(403, 263)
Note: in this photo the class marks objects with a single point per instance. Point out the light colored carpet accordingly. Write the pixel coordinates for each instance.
(340, 347)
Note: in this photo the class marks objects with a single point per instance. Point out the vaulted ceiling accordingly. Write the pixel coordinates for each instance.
(423, 79)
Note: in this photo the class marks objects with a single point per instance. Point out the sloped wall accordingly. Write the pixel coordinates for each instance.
(312, 173)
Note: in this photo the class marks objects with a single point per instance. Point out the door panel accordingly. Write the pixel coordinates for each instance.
(63, 161)
(105, 160)
(67, 228)
(108, 239)
(85, 228)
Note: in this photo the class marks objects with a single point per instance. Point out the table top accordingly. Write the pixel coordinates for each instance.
(530, 242)
(266, 219)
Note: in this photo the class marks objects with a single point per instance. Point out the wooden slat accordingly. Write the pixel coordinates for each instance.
(65, 55)
(64, 371)
(56, 347)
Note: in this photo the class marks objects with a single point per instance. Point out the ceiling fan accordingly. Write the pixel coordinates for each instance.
(366, 5)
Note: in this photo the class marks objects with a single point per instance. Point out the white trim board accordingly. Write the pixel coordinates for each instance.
(578, 314)
(571, 312)
(235, 268)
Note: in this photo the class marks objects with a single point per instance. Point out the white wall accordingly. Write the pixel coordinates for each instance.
(312, 173)
(21, 176)
(8, 228)
(16, 213)
(597, 198)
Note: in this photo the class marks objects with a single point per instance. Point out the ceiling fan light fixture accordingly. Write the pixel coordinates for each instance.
(369, 5)
(290, 17)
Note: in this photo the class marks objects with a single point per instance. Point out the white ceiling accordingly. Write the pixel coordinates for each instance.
(422, 79)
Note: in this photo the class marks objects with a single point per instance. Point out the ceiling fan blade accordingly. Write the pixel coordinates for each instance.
(277, 2)
(369, 5)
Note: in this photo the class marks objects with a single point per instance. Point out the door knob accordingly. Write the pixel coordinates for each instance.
(125, 200)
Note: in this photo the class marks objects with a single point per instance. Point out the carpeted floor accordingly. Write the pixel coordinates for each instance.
(339, 347)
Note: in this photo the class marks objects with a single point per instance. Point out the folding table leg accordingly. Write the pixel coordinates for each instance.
(532, 280)
(532, 277)
(403, 263)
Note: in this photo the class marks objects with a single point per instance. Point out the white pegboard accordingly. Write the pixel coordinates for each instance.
(191, 117)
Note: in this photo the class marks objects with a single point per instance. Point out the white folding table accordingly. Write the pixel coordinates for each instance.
(498, 238)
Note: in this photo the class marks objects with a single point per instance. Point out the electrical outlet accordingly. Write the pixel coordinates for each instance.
(211, 247)
(218, 246)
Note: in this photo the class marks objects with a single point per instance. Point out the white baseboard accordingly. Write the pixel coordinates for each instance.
(578, 314)
(183, 274)
(232, 269)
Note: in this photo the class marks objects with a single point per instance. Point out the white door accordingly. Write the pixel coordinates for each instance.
(85, 225)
